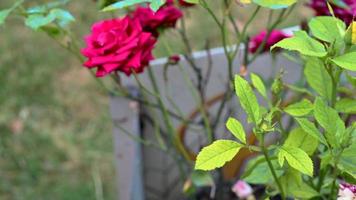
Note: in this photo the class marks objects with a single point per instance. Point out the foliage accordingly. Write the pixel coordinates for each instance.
(326, 62)
(309, 157)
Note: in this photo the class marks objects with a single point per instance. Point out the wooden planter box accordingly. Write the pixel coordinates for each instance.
(146, 173)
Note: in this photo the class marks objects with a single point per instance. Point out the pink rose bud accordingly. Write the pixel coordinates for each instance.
(118, 45)
(347, 192)
(242, 189)
(274, 37)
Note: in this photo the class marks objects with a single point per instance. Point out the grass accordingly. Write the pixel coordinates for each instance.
(55, 127)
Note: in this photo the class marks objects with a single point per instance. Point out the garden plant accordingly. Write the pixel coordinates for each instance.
(313, 153)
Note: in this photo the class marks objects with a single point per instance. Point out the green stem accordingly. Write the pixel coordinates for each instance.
(168, 123)
(265, 153)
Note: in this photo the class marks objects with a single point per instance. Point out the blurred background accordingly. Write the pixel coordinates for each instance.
(55, 125)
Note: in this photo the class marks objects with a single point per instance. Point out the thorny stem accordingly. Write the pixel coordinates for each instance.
(168, 123)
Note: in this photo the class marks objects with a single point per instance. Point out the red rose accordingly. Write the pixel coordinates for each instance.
(346, 14)
(273, 38)
(166, 17)
(118, 45)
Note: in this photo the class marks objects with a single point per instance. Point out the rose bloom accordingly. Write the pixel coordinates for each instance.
(165, 17)
(274, 37)
(347, 192)
(118, 45)
(242, 189)
(346, 14)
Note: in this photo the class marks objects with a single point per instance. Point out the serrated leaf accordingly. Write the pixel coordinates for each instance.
(248, 99)
(298, 159)
(236, 128)
(275, 4)
(328, 29)
(258, 84)
(346, 61)
(302, 43)
(294, 186)
(217, 154)
(301, 139)
(329, 119)
(347, 161)
(310, 128)
(346, 106)
(318, 78)
(299, 109)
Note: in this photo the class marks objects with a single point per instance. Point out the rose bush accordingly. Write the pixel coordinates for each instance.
(312, 151)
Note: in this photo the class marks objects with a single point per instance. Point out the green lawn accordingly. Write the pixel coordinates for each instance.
(55, 127)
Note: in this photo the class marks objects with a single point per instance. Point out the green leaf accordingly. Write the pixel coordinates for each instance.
(351, 79)
(296, 158)
(248, 99)
(156, 4)
(329, 119)
(346, 106)
(202, 178)
(5, 13)
(328, 29)
(236, 129)
(301, 139)
(325, 159)
(318, 78)
(45, 8)
(310, 128)
(346, 61)
(259, 85)
(299, 109)
(274, 4)
(62, 16)
(347, 161)
(258, 172)
(217, 154)
(302, 43)
(124, 4)
(294, 186)
(36, 21)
